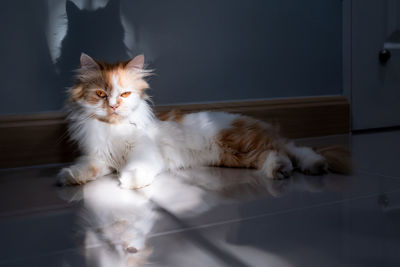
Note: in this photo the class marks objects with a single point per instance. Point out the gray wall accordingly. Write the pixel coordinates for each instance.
(201, 50)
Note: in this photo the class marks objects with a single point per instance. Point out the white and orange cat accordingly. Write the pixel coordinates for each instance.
(112, 122)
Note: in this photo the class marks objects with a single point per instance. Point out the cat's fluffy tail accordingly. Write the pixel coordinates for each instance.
(337, 157)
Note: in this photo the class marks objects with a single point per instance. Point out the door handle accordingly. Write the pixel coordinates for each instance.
(384, 56)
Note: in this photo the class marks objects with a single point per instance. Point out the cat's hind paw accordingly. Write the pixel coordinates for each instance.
(317, 167)
(277, 166)
(313, 164)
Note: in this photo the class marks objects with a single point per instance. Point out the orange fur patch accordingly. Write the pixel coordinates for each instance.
(76, 92)
(247, 143)
(173, 115)
(90, 80)
(338, 158)
(93, 170)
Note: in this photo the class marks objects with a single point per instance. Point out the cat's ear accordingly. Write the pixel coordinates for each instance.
(136, 63)
(88, 62)
(71, 9)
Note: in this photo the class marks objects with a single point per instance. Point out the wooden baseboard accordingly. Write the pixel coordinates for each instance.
(42, 138)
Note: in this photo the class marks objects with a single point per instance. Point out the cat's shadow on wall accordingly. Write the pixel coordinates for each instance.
(99, 33)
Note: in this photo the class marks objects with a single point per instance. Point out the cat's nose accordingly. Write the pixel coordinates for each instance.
(114, 106)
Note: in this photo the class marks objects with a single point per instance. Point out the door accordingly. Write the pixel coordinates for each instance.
(375, 63)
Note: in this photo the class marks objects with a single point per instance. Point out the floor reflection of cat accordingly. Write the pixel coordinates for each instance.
(118, 223)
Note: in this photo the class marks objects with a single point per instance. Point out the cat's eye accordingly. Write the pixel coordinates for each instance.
(101, 93)
(126, 94)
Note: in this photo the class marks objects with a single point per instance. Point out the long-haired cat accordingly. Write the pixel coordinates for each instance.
(116, 130)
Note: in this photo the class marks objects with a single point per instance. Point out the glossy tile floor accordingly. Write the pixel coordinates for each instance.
(210, 216)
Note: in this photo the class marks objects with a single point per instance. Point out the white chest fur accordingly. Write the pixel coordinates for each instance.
(109, 142)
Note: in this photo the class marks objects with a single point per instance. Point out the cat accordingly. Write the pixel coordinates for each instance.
(116, 130)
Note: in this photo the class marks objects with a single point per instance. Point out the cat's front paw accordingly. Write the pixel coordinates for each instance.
(73, 176)
(135, 179)
(65, 177)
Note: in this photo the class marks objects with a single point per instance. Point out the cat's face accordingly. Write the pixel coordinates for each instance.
(109, 92)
